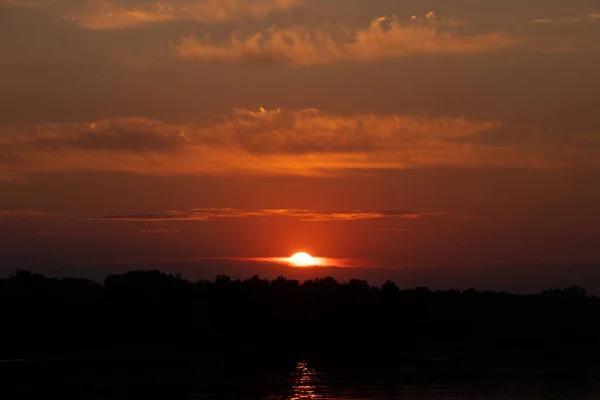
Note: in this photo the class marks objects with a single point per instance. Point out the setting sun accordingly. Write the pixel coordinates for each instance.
(302, 260)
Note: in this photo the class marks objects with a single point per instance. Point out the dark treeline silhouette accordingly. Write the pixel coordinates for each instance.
(154, 316)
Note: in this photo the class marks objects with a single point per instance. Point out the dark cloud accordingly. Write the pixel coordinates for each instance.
(127, 134)
(64, 233)
(139, 217)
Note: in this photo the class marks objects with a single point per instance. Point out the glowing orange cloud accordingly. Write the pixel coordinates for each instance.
(103, 15)
(306, 142)
(211, 214)
(385, 38)
(568, 20)
(115, 15)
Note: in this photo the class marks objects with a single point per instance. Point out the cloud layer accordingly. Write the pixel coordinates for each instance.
(305, 142)
(569, 20)
(385, 38)
(115, 15)
(263, 141)
(211, 214)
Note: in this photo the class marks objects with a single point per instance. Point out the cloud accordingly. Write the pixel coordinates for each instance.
(543, 21)
(569, 20)
(140, 217)
(272, 142)
(566, 35)
(116, 15)
(385, 38)
(313, 131)
(105, 15)
(139, 134)
(349, 215)
(197, 214)
(64, 233)
(211, 214)
(211, 10)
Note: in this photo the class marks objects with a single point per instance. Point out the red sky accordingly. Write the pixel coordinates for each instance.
(415, 134)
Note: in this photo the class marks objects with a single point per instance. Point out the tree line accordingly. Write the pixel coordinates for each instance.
(153, 315)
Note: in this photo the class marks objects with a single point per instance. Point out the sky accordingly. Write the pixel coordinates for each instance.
(385, 135)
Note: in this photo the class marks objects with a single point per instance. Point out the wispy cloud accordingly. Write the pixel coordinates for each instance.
(543, 21)
(116, 134)
(351, 215)
(211, 214)
(106, 15)
(592, 17)
(64, 233)
(141, 217)
(305, 142)
(385, 38)
(117, 15)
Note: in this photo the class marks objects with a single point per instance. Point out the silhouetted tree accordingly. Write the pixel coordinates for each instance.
(150, 314)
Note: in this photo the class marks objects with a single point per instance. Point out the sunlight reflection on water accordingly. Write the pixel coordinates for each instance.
(302, 381)
(306, 383)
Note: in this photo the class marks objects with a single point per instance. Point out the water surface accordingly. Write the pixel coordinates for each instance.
(300, 381)
(308, 382)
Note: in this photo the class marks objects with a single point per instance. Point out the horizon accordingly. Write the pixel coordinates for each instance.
(515, 280)
(28, 276)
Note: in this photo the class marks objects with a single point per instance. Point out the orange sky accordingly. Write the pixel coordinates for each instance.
(425, 134)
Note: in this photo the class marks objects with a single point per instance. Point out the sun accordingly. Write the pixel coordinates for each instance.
(302, 260)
